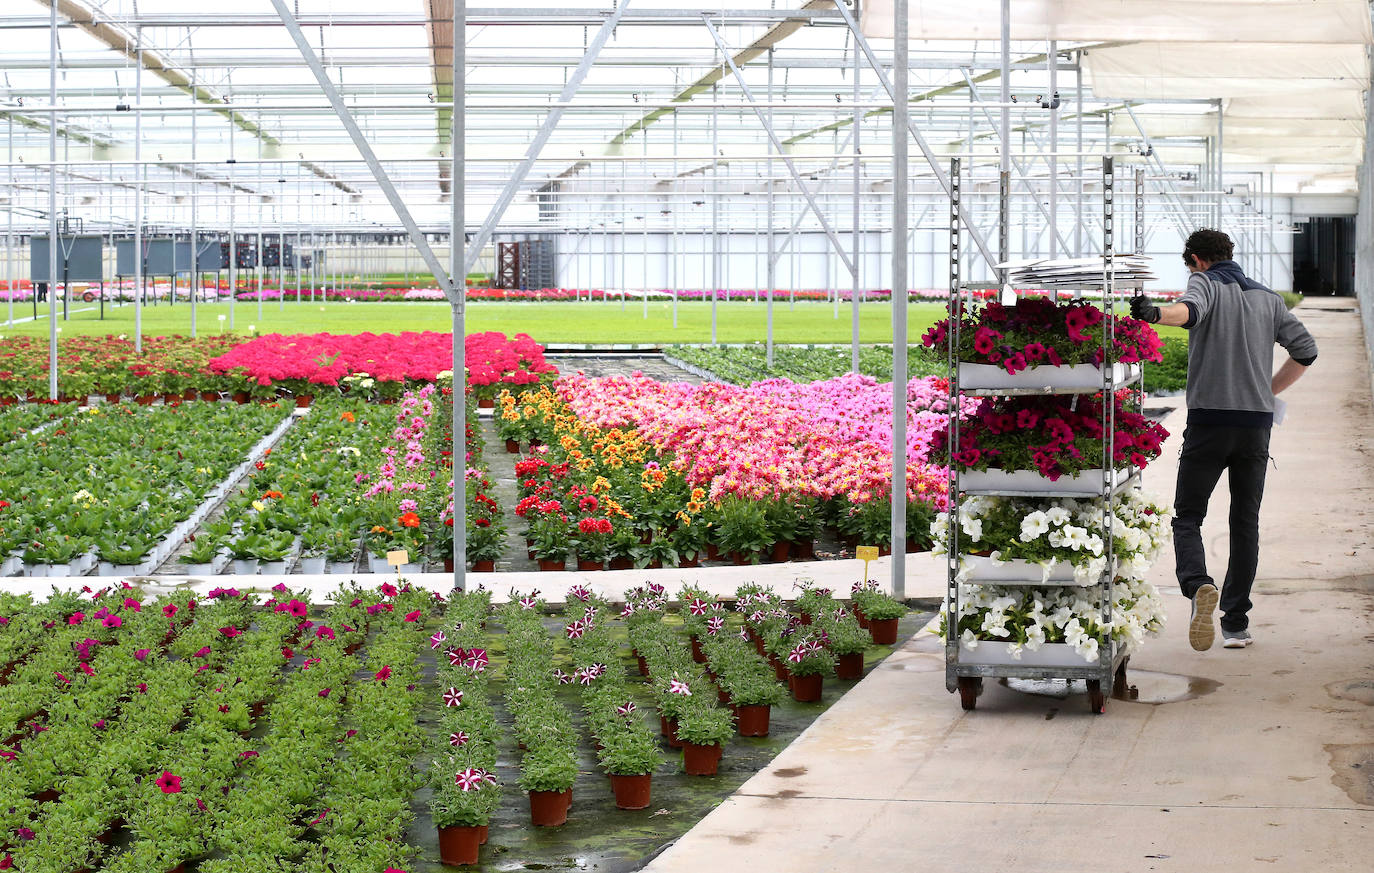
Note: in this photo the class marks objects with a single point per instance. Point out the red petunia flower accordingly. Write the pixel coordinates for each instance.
(168, 783)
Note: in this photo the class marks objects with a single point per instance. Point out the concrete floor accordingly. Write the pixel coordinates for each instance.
(1231, 760)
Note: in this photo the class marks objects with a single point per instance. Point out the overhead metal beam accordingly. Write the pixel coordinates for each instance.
(777, 145)
(118, 38)
(545, 131)
(758, 48)
(446, 283)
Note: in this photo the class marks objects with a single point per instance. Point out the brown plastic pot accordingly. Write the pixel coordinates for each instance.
(632, 792)
(303, 401)
(587, 566)
(513, 446)
(753, 720)
(883, 630)
(850, 666)
(697, 654)
(484, 566)
(549, 809)
(781, 551)
(700, 760)
(806, 689)
(459, 845)
(552, 563)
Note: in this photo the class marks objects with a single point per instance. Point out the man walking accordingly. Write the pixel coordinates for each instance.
(1233, 323)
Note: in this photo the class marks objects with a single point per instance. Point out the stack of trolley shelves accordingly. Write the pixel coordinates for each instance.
(965, 669)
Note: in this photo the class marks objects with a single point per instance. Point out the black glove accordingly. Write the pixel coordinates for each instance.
(1144, 310)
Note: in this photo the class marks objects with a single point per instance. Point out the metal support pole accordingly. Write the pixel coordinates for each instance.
(457, 236)
(1004, 158)
(715, 205)
(1140, 210)
(1078, 171)
(138, 199)
(233, 240)
(900, 121)
(1054, 150)
(195, 236)
(857, 150)
(772, 277)
(10, 273)
(53, 240)
(1221, 174)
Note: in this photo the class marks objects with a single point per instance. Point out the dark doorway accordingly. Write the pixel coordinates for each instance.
(1324, 256)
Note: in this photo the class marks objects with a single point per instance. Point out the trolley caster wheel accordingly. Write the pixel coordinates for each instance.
(1121, 689)
(969, 689)
(1097, 702)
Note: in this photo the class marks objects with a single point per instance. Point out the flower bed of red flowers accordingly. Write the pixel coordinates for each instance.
(305, 362)
(1042, 332)
(1054, 435)
(109, 365)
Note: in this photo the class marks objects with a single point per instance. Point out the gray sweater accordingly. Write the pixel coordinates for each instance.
(1233, 325)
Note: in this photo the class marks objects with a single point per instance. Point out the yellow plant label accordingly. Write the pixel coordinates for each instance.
(398, 557)
(866, 553)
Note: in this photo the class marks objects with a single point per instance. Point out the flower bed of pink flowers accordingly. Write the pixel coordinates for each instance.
(778, 438)
(323, 359)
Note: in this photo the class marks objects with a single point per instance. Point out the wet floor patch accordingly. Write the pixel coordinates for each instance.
(597, 836)
(1358, 690)
(1352, 770)
(1149, 687)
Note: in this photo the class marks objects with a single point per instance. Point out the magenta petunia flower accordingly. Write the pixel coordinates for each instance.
(201, 652)
(231, 631)
(141, 654)
(169, 783)
(382, 675)
(324, 632)
(77, 618)
(413, 616)
(324, 692)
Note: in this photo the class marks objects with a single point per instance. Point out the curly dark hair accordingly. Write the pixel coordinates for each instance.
(1208, 245)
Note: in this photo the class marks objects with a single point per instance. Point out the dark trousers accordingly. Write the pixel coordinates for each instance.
(1207, 450)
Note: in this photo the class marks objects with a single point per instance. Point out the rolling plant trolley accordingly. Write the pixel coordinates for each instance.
(965, 668)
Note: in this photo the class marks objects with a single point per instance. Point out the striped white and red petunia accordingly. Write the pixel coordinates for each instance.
(698, 606)
(453, 697)
(457, 738)
(678, 687)
(437, 640)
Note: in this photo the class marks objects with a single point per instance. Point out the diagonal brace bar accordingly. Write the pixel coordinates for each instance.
(777, 145)
(1016, 165)
(545, 131)
(862, 42)
(451, 291)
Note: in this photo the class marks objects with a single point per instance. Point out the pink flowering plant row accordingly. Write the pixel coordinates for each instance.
(1036, 332)
(379, 364)
(128, 711)
(826, 443)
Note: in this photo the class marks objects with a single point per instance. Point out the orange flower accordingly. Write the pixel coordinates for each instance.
(377, 528)
(346, 416)
(410, 519)
(268, 495)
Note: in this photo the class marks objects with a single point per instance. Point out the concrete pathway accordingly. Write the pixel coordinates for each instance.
(1231, 760)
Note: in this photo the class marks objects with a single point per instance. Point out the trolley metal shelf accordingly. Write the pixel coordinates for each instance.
(965, 674)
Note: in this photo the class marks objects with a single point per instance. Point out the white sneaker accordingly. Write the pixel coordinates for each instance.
(1201, 631)
(1236, 639)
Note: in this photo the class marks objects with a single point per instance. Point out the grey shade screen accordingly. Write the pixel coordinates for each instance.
(83, 256)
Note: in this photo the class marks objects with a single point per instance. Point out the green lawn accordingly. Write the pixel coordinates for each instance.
(555, 323)
(548, 323)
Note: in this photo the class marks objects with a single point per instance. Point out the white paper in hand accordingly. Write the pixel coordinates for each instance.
(1280, 409)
